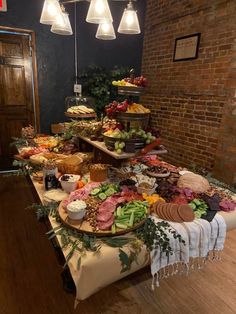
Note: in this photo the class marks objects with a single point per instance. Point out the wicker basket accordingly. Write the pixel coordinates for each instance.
(74, 165)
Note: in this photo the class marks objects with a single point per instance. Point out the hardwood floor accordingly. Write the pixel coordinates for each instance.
(30, 276)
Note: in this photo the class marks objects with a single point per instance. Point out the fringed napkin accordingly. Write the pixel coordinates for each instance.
(203, 240)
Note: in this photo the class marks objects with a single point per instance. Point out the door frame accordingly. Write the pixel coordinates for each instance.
(34, 69)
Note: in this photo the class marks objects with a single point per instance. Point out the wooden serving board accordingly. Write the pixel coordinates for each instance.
(85, 227)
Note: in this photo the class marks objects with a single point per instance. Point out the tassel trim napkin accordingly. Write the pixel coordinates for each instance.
(203, 241)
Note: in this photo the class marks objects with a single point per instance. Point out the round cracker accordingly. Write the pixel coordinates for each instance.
(186, 213)
(174, 214)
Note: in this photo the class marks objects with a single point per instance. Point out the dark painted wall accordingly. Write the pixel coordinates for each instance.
(55, 53)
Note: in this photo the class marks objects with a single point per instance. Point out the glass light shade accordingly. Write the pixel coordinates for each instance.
(99, 12)
(51, 9)
(129, 23)
(62, 25)
(106, 31)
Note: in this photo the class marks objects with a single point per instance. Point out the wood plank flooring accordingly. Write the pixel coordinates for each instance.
(30, 276)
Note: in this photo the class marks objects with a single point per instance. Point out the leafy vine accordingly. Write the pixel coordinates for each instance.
(149, 234)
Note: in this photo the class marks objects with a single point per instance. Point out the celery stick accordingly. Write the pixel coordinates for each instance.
(131, 220)
(121, 226)
(113, 229)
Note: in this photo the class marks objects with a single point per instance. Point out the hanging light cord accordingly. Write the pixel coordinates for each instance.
(76, 50)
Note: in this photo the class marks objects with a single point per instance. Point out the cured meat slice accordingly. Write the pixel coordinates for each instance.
(104, 216)
(83, 193)
(107, 207)
(106, 225)
(115, 199)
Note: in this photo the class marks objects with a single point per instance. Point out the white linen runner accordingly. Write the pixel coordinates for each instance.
(203, 240)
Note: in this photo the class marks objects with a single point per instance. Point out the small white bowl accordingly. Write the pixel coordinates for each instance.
(147, 191)
(74, 212)
(76, 215)
(69, 186)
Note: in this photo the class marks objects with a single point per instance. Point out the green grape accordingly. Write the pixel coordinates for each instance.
(148, 141)
(116, 145)
(119, 151)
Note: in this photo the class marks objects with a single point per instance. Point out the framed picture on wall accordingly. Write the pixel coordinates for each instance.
(3, 5)
(186, 47)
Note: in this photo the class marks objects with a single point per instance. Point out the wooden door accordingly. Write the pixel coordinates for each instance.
(17, 101)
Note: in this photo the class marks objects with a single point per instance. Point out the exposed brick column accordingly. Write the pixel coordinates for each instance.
(192, 101)
(225, 163)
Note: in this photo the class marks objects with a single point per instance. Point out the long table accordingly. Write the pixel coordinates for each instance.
(98, 270)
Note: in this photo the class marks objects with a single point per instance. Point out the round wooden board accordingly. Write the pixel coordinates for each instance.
(84, 226)
(75, 115)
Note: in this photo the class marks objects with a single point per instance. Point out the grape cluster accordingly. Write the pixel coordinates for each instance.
(132, 134)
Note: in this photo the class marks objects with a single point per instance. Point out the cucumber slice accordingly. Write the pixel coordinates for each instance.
(110, 192)
(197, 202)
(102, 196)
(193, 206)
(95, 192)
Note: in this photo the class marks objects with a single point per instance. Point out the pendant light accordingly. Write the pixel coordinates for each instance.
(99, 12)
(129, 23)
(51, 9)
(62, 24)
(106, 31)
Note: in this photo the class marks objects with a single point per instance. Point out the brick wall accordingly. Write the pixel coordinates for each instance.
(192, 101)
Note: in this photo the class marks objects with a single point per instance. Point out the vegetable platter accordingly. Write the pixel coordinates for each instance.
(111, 209)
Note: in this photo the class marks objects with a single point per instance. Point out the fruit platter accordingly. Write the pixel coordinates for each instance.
(139, 81)
(132, 86)
(119, 140)
(133, 109)
(104, 209)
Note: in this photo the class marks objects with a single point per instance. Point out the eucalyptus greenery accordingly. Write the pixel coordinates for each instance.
(149, 234)
(97, 83)
(25, 168)
(222, 185)
(209, 176)
(43, 211)
(19, 142)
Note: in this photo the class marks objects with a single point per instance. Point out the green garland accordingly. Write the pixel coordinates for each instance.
(149, 234)
(25, 168)
(19, 142)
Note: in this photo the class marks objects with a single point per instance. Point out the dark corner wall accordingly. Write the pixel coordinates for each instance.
(55, 53)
